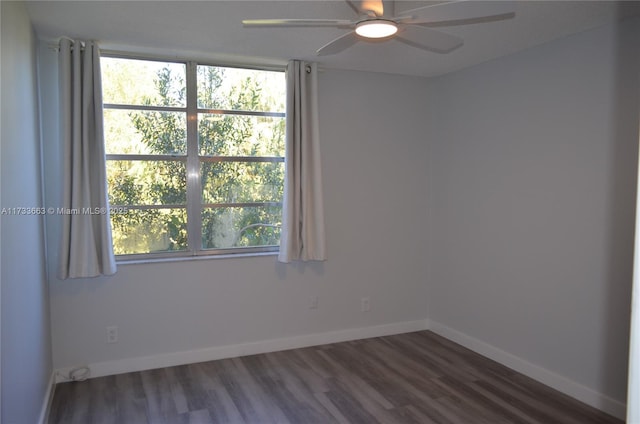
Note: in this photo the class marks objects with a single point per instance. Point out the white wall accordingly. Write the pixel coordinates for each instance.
(533, 174)
(26, 344)
(373, 159)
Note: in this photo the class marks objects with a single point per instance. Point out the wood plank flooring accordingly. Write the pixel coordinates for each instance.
(409, 378)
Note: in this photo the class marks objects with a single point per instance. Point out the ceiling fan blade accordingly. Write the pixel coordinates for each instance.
(337, 23)
(459, 12)
(429, 39)
(339, 44)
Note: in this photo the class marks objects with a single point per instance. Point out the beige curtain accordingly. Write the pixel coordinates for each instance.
(86, 248)
(303, 236)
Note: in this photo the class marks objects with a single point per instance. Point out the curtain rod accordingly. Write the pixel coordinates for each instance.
(55, 43)
(117, 50)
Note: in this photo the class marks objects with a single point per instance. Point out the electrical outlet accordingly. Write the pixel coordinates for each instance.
(365, 304)
(112, 334)
(313, 302)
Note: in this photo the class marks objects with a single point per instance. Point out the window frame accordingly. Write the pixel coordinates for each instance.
(192, 159)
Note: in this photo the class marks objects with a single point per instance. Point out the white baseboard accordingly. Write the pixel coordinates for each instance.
(48, 397)
(100, 369)
(549, 378)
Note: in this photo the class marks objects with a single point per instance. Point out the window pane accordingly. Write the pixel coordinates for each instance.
(242, 182)
(238, 135)
(241, 227)
(143, 82)
(149, 231)
(240, 89)
(145, 132)
(146, 182)
(148, 148)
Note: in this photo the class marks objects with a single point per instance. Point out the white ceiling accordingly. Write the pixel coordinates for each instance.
(213, 30)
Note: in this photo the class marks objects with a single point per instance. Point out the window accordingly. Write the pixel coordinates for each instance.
(195, 157)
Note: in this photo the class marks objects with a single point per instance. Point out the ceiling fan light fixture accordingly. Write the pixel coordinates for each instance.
(376, 28)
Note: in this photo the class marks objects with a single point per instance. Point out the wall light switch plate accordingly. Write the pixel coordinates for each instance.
(313, 302)
(365, 304)
(112, 334)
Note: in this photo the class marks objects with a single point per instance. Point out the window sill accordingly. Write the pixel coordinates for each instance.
(192, 258)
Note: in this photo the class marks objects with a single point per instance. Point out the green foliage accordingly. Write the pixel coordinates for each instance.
(237, 182)
(140, 183)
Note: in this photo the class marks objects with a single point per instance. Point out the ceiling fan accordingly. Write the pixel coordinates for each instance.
(377, 21)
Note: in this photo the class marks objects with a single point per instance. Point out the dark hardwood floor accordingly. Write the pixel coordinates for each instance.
(409, 378)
